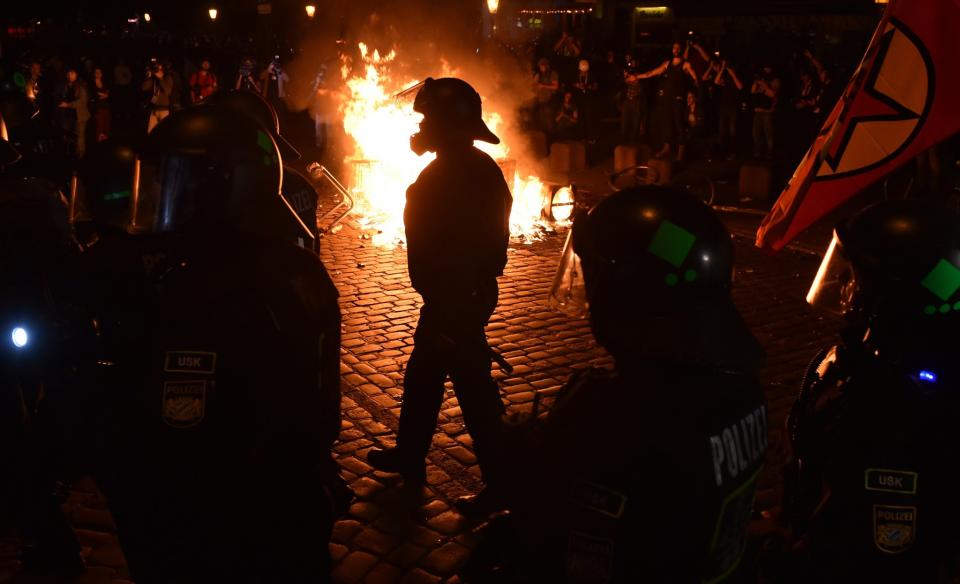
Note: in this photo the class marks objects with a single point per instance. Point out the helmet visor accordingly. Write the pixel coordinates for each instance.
(568, 293)
(833, 284)
(166, 191)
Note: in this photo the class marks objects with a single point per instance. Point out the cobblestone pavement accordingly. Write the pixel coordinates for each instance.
(393, 534)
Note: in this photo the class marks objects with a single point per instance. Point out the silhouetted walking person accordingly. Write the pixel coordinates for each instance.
(457, 227)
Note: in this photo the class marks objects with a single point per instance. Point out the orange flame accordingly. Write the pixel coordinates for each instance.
(380, 127)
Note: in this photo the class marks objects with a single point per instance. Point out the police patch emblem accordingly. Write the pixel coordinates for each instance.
(894, 528)
(589, 559)
(184, 403)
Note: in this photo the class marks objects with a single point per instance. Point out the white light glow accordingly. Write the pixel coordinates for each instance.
(19, 337)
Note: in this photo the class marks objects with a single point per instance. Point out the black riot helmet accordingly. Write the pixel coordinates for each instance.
(253, 105)
(451, 109)
(206, 169)
(893, 271)
(654, 265)
(104, 186)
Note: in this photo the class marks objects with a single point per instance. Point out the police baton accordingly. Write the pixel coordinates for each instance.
(499, 360)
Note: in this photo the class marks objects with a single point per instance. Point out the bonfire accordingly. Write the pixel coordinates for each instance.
(378, 117)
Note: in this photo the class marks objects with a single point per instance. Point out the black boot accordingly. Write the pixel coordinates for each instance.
(486, 502)
(393, 460)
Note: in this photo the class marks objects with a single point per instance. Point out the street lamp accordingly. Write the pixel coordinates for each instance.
(213, 13)
(311, 10)
(146, 17)
(492, 6)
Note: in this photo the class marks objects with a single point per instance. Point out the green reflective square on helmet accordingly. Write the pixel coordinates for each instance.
(264, 141)
(943, 280)
(671, 243)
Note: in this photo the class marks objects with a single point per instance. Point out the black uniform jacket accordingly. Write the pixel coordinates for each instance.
(650, 475)
(457, 224)
(877, 490)
(219, 396)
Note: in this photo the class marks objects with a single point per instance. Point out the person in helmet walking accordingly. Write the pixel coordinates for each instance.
(646, 473)
(220, 375)
(871, 485)
(457, 228)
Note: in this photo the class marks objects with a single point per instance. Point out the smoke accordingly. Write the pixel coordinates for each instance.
(431, 38)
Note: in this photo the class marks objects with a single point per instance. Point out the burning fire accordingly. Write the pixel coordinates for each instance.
(380, 126)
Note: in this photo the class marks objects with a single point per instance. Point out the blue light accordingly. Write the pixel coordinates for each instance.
(19, 337)
(928, 376)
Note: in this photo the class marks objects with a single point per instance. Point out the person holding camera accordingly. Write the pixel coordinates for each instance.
(764, 93)
(274, 81)
(727, 88)
(158, 87)
(245, 78)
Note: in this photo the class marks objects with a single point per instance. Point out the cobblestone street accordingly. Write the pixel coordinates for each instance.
(395, 535)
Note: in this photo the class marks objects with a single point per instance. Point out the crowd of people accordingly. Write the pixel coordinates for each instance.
(694, 104)
(90, 99)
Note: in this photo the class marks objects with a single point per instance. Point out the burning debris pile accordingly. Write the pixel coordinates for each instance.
(378, 118)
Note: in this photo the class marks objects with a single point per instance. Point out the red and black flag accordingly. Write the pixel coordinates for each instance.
(903, 98)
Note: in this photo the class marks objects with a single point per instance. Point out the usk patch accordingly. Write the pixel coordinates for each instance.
(190, 362)
(894, 528)
(184, 403)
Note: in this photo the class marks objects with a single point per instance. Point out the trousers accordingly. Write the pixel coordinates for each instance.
(450, 342)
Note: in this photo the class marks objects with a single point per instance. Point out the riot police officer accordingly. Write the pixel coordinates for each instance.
(222, 408)
(873, 474)
(457, 228)
(647, 472)
(42, 337)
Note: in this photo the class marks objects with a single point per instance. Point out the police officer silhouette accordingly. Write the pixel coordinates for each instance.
(457, 228)
(42, 336)
(647, 472)
(871, 486)
(221, 410)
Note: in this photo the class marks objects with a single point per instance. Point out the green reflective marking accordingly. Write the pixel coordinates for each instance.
(690, 275)
(264, 142)
(930, 309)
(945, 308)
(671, 279)
(672, 243)
(943, 280)
(956, 305)
(117, 196)
(19, 80)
